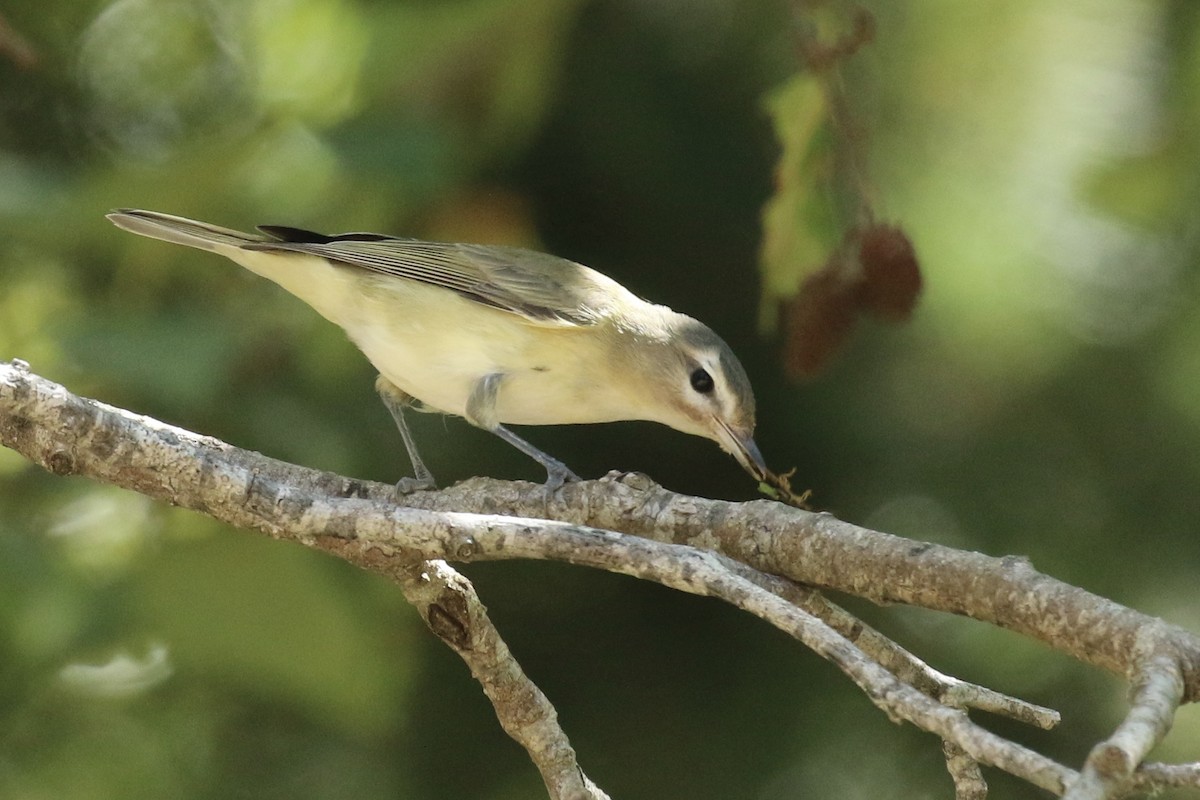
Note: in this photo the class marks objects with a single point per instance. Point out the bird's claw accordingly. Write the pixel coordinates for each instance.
(406, 486)
(557, 474)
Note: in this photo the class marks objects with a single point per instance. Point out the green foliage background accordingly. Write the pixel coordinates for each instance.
(1044, 401)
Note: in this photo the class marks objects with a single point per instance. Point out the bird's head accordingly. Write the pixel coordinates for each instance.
(705, 391)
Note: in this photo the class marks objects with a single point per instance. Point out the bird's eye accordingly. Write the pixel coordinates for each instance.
(702, 382)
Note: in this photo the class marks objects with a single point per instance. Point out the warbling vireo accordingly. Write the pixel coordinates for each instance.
(497, 335)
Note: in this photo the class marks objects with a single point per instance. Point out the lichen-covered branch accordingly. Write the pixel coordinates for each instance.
(61, 432)
(964, 771)
(1153, 776)
(1157, 688)
(447, 602)
(911, 670)
(820, 550)
(739, 544)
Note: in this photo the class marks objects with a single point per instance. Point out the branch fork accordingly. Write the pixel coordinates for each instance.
(762, 557)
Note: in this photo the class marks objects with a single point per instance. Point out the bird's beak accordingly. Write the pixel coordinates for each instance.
(740, 444)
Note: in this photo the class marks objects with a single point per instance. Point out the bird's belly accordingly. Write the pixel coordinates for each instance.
(557, 395)
(437, 346)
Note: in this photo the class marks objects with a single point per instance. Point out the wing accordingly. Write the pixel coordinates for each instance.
(540, 287)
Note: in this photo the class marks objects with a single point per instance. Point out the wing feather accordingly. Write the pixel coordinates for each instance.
(540, 287)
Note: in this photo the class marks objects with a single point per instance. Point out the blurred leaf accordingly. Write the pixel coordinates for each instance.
(798, 231)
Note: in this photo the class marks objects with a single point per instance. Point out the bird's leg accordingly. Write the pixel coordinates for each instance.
(396, 400)
(557, 473)
(481, 411)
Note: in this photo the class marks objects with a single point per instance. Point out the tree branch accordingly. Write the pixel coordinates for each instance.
(817, 549)
(362, 522)
(964, 770)
(1157, 689)
(948, 690)
(447, 602)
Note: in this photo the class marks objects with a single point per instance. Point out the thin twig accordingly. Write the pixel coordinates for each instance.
(1153, 776)
(450, 607)
(1155, 696)
(964, 770)
(817, 549)
(904, 665)
(390, 531)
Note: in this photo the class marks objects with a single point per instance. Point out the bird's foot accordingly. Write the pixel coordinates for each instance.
(406, 486)
(557, 473)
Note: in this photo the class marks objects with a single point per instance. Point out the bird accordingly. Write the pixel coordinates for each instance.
(497, 335)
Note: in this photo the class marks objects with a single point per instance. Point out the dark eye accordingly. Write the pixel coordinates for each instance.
(702, 382)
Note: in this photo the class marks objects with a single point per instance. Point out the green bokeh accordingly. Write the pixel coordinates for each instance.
(1044, 400)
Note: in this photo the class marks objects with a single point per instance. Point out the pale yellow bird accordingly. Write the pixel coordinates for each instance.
(497, 335)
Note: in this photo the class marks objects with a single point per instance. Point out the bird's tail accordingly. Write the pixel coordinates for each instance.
(178, 230)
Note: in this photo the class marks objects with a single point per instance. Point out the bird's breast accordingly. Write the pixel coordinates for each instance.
(436, 346)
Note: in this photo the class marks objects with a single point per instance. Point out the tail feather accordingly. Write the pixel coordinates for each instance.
(179, 230)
